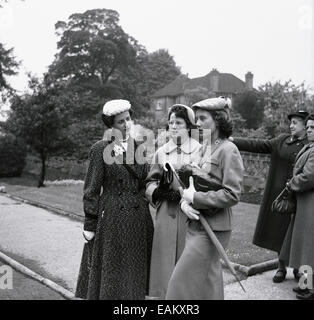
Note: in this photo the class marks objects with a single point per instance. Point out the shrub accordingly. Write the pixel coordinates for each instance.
(12, 156)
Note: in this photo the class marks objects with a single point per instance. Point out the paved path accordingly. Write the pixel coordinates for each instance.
(24, 288)
(47, 243)
(51, 245)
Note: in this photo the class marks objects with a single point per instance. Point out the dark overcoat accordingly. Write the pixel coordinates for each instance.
(271, 228)
(115, 265)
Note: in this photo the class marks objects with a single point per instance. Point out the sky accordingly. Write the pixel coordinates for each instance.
(272, 39)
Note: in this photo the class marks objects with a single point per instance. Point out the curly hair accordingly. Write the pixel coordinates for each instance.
(223, 123)
(109, 120)
(181, 112)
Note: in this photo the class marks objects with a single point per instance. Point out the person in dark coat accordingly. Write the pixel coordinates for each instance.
(302, 183)
(118, 225)
(271, 228)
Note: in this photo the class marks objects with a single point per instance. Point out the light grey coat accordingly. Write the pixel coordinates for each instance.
(302, 182)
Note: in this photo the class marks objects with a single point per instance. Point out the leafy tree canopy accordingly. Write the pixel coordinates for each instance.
(249, 104)
(93, 48)
(8, 67)
(280, 99)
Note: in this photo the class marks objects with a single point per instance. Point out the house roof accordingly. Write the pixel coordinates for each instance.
(227, 83)
(174, 88)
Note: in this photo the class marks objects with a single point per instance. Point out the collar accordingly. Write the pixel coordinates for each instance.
(303, 139)
(306, 147)
(189, 146)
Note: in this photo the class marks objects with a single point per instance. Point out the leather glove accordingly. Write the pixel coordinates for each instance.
(88, 235)
(160, 194)
(189, 211)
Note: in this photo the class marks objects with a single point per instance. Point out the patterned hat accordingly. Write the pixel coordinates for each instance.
(114, 107)
(214, 104)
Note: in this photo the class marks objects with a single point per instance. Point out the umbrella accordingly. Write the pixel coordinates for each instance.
(208, 229)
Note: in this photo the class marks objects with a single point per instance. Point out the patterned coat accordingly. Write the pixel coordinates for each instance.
(115, 265)
(170, 223)
(271, 228)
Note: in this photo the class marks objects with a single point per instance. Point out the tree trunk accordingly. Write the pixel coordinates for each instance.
(43, 158)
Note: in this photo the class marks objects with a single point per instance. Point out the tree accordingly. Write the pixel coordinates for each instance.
(8, 67)
(280, 100)
(157, 70)
(249, 104)
(94, 51)
(41, 119)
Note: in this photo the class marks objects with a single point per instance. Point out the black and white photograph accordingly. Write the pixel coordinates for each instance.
(158, 152)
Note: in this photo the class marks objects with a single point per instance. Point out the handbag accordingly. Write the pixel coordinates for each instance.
(285, 203)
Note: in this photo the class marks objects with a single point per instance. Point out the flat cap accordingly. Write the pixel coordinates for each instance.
(114, 107)
(214, 104)
(300, 113)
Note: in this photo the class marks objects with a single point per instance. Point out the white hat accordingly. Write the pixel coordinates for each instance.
(214, 104)
(189, 110)
(113, 107)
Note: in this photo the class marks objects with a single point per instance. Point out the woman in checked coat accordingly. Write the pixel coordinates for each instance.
(118, 225)
(170, 223)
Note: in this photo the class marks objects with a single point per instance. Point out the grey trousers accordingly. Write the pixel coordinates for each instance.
(197, 274)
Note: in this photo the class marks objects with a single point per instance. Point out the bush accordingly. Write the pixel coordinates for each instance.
(12, 156)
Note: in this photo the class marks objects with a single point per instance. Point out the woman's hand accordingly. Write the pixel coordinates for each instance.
(88, 235)
(189, 211)
(188, 194)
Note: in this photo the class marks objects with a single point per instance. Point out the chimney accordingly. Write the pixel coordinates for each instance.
(214, 80)
(249, 80)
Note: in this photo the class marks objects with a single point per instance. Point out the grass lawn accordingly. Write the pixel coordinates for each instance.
(69, 198)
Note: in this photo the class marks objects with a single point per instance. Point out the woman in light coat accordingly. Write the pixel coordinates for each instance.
(198, 274)
(170, 223)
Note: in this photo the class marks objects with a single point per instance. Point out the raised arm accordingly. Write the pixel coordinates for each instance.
(254, 145)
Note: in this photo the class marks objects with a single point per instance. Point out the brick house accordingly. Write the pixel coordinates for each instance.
(218, 84)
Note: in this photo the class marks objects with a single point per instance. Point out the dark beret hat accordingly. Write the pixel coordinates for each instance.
(300, 113)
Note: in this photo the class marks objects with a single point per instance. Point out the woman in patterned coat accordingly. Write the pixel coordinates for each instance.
(118, 225)
(170, 223)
